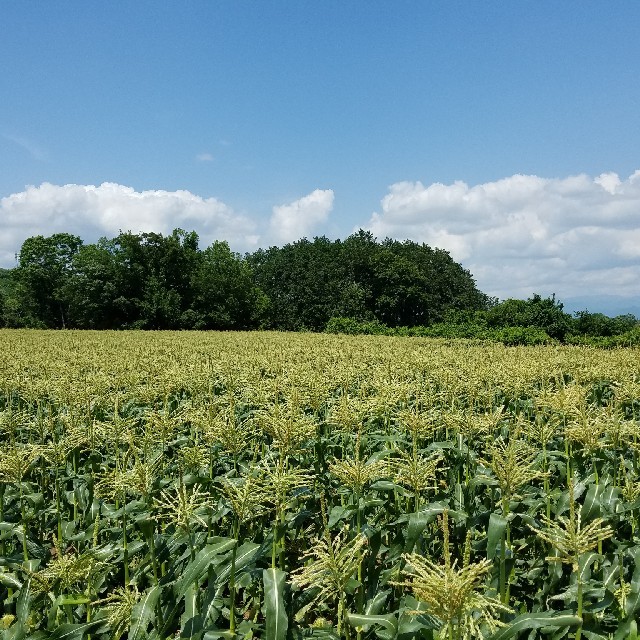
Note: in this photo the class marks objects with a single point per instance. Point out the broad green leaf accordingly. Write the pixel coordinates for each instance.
(244, 555)
(190, 601)
(276, 619)
(74, 631)
(495, 534)
(10, 580)
(338, 513)
(72, 599)
(584, 564)
(632, 603)
(562, 504)
(386, 485)
(143, 612)
(376, 603)
(322, 633)
(388, 622)
(529, 621)
(215, 634)
(23, 605)
(628, 630)
(196, 569)
(212, 604)
(592, 635)
(191, 620)
(592, 507)
(633, 598)
(17, 631)
(418, 521)
(411, 625)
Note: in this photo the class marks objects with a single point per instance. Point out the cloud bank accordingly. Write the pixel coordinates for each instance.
(302, 217)
(526, 234)
(572, 236)
(91, 212)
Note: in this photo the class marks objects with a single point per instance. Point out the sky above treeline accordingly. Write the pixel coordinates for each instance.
(506, 133)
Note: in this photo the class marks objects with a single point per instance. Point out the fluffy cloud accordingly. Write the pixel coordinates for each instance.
(526, 234)
(290, 222)
(91, 212)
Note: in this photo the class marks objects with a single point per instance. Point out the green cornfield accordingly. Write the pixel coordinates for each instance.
(285, 486)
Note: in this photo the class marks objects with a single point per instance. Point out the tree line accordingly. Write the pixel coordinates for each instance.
(151, 281)
(356, 285)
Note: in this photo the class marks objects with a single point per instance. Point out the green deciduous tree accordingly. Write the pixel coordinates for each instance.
(543, 313)
(224, 294)
(398, 283)
(44, 269)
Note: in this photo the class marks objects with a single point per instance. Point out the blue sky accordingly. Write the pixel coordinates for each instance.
(507, 133)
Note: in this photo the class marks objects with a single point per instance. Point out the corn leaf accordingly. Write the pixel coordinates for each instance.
(276, 618)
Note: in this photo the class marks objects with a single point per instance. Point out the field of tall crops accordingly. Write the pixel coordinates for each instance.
(265, 485)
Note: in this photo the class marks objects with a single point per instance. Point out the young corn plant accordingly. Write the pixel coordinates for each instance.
(279, 482)
(571, 540)
(454, 594)
(329, 566)
(514, 465)
(15, 464)
(246, 498)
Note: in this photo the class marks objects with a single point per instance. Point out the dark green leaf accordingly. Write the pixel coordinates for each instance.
(143, 612)
(276, 619)
(196, 569)
(536, 621)
(495, 534)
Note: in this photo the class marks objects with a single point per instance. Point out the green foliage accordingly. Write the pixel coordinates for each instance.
(597, 324)
(15, 306)
(629, 338)
(543, 313)
(44, 269)
(146, 281)
(351, 326)
(529, 336)
(395, 283)
(510, 336)
(400, 486)
(224, 295)
(355, 286)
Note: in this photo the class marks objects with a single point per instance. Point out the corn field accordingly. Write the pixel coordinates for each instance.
(285, 486)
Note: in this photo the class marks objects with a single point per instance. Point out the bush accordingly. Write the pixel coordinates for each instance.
(353, 327)
(527, 336)
(545, 314)
(629, 338)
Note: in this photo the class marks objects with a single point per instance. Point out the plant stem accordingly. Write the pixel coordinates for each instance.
(579, 611)
(25, 553)
(232, 579)
(124, 544)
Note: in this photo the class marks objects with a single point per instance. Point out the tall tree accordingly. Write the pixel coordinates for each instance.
(399, 283)
(224, 295)
(304, 282)
(154, 277)
(43, 271)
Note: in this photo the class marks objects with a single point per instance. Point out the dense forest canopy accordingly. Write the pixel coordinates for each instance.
(151, 281)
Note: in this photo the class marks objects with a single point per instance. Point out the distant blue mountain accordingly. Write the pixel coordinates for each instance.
(609, 305)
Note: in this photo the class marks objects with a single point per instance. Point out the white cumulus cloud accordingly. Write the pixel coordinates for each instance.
(93, 211)
(526, 234)
(298, 219)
